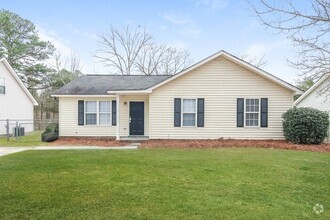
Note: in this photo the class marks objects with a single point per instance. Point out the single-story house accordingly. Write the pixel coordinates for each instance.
(315, 97)
(16, 102)
(221, 96)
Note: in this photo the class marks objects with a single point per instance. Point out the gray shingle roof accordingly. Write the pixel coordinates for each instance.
(100, 84)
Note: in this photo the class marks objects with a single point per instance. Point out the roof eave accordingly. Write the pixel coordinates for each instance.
(311, 89)
(19, 81)
(78, 96)
(130, 92)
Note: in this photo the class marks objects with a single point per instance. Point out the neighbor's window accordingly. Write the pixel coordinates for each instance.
(91, 112)
(104, 112)
(251, 112)
(2, 86)
(189, 112)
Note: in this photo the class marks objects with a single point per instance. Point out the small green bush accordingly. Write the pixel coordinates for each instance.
(49, 137)
(52, 128)
(305, 125)
(51, 133)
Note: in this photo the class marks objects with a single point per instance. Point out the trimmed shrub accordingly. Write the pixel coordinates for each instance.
(305, 125)
(51, 133)
(49, 137)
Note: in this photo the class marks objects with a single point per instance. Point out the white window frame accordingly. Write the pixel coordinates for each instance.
(247, 112)
(4, 85)
(192, 126)
(91, 113)
(97, 113)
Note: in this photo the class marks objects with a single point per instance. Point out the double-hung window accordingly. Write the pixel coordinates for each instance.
(91, 112)
(2, 86)
(189, 112)
(252, 112)
(97, 112)
(104, 112)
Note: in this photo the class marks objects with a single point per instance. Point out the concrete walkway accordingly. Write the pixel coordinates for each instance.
(11, 150)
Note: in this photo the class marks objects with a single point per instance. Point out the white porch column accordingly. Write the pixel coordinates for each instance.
(118, 117)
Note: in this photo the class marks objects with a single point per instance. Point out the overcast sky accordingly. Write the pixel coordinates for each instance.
(202, 27)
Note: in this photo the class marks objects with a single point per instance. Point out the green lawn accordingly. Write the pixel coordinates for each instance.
(31, 139)
(231, 183)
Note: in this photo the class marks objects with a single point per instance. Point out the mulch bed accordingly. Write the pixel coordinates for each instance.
(196, 144)
(88, 141)
(219, 143)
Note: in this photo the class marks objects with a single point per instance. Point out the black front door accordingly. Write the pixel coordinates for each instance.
(136, 115)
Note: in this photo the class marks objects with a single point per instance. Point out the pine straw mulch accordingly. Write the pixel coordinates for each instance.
(195, 144)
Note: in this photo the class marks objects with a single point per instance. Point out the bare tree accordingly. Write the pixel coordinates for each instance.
(162, 60)
(259, 62)
(119, 48)
(72, 63)
(149, 60)
(175, 60)
(66, 69)
(133, 51)
(308, 28)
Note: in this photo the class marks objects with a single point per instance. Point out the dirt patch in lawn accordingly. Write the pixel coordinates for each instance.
(218, 143)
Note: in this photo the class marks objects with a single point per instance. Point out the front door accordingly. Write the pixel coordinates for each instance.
(136, 118)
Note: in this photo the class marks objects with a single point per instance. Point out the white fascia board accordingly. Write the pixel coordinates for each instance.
(130, 92)
(18, 80)
(84, 96)
(311, 89)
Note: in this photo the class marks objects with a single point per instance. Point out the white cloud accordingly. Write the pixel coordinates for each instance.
(179, 44)
(58, 42)
(258, 49)
(178, 19)
(91, 36)
(187, 26)
(191, 31)
(213, 5)
(88, 63)
(262, 48)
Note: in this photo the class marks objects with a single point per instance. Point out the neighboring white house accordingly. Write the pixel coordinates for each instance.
(315, 98)
(219, 97)
(16, 102)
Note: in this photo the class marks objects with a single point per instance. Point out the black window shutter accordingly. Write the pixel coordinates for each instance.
(240, 112)
(264, 112)
(81, 112)
(114, 114)
(200, 112)
(177, 112)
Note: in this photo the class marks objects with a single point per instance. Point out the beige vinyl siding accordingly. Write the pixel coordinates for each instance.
(68, 120)
(124, 113)
(220, 82)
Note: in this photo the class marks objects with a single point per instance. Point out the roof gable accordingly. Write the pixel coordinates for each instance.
(239, 62)
(114, 84)
(18, 80)
(313, 88)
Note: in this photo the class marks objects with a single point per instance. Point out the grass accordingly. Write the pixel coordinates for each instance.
(231, 183)
(31, 139)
